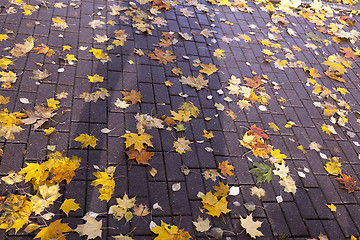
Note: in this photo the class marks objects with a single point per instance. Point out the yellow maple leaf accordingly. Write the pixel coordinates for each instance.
(328, 129)
(182, 145)
(70, 58)
(62, 168)
(36, 173)
(55, 230)
(69, 205)
(333, 166)
(67, 48)
(222, 190)
(208, 135)
(181, 116)
(301, 148)
(167, 232)
(96, 78)
(219, 53)
(45, 197)
(267, 52)
(277, 156)
(86, 140)
(208, 68)
(332, 207)
(106, 179)
(138, 140)
(342, 90)
(226, 169)
(5, 62)
(49, 131)
(274, 127)
(214, 206)
(16, 210)
(53, 104)
(244, 37)
(20, 50)
(3, 37)
(99, 54)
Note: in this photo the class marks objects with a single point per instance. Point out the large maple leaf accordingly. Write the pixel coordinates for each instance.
(92, 228)
(139, 141)
(214, 206)
(106, 179)
(161, 56)
(348, 181)
(251, 226)
(55, 230)
(170, 232)
(20, 50)
(39, 116)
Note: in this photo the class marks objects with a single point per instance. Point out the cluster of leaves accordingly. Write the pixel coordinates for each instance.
(44, 179)
(333, 167)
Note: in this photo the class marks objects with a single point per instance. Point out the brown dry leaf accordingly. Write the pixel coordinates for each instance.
(20, 50)
(39, 116)
(161, 56)
(231, 114)
(44, 50)
(132, 96)
(348, 181)
(197, 82)
(254, 82)
(207, 33)
(141, 210)
(40, 75)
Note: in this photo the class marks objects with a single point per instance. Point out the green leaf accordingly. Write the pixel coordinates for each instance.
(314, 36)
(262, 172)
(180, 128)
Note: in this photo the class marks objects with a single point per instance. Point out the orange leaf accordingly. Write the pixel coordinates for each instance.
(132, 96)
(348, 181)
(141, 157)
(226, 169)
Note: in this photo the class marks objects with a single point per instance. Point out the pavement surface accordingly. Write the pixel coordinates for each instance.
(300, 215)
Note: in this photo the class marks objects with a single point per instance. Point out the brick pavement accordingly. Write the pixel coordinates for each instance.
(300, 216)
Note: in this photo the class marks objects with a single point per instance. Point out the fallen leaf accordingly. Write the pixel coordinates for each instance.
(251, 226)
(348, 181)
(55, 230)
(202, 225)
(92, 228)
(182, 145)
(69, 205)
(86, 140)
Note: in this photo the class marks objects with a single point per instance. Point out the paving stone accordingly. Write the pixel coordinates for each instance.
(276, 219)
